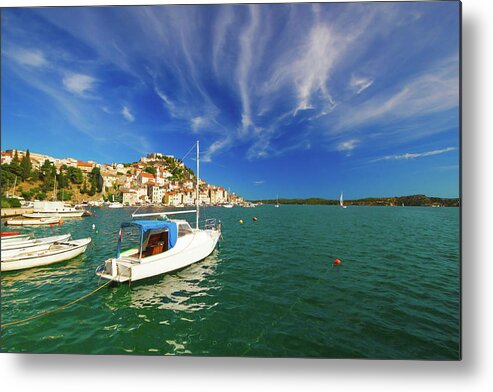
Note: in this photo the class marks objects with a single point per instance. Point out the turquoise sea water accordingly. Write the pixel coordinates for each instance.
(268, 290)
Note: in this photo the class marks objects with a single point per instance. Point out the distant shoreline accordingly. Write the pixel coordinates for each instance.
(409, 201)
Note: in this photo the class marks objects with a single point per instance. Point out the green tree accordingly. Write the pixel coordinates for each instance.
(84, 188)
(96, 181)
(75, 175)
(26, 166)
(150, 169)
(62, 179)
(41, 196)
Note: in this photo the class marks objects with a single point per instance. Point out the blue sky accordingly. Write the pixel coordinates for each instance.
(300, 100)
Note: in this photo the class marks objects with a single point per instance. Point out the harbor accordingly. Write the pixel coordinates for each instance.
(269, 289)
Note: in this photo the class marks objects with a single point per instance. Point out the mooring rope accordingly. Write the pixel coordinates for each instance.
(55, 310)
(282, 317)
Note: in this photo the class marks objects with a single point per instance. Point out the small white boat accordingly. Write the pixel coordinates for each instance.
(34, 222)
(115, 205)
(165, 245)
(228, 205)
(341, 202)
(14, 249)
(55, 253)
(277, 202)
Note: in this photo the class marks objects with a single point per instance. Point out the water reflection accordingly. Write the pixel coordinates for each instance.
(40, 276)
(180, 291)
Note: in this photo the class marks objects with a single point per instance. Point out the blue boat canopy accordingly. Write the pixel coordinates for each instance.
(149, 227)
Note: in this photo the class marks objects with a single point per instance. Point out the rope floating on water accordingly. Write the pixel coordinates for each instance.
(55, 310)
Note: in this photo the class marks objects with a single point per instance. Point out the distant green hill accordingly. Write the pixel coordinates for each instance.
(413, 200)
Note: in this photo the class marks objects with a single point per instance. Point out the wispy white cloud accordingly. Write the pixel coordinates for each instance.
(348, 146)
(78, 83)
(127, 114)
(214, 148)
(259, 182)
(246, 57)
(359, 84)
(432, 91)
(408, 156)
(31, 57)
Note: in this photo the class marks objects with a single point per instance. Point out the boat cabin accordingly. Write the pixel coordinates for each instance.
(156, 236)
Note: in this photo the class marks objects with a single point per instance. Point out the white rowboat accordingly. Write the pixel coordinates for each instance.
(10, 250)
(55, 253)
(34, 222)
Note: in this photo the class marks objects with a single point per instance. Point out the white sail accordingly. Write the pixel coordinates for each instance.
(341, 201)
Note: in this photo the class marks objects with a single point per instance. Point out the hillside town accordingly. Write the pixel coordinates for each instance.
(156, 179)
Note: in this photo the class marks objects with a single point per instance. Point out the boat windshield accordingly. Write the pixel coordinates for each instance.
(184, 229)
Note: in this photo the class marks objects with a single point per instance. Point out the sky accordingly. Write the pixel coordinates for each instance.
(295, 100)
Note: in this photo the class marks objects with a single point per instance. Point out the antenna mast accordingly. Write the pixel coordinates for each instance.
(197, 197)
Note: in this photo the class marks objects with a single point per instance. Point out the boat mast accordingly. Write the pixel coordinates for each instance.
(54, 190)
(197, 203)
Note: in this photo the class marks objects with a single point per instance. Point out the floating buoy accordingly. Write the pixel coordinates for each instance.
(241, 221)
(51, 225)
(93, 226)
(255, 219)
(337, 262)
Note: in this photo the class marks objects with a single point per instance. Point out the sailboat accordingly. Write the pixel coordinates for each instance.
(341, 202)
(165, 245)
(277, 202)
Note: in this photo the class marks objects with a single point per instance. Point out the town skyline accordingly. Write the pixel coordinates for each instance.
(360, 102)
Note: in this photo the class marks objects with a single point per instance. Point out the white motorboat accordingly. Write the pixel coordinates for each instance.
(34, 222)
(53, 209)
(30, 245)
(228, 205)
(165, 245)
(341, 202)
(115, 205)
(57, 252)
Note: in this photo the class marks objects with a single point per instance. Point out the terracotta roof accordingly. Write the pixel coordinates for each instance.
(85, 164)
(147, 175)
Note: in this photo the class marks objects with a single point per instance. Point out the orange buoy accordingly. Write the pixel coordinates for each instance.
(255, 219)
(241, 221)
(337, 262)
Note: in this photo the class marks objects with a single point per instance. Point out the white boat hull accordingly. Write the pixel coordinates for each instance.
(33, 222)
(59, 215)
(188, 250)
(31, 245)
(55, 254)
(15, 239)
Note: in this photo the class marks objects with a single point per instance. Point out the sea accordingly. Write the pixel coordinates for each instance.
(270, 289)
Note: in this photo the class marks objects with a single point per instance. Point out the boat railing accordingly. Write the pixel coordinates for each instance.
(212, 224)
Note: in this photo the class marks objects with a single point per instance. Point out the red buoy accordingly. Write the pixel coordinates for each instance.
(337, 262)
